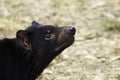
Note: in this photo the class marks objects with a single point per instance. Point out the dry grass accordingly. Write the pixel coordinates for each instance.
(95, 55)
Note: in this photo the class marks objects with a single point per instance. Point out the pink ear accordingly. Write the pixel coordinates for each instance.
(23, 40)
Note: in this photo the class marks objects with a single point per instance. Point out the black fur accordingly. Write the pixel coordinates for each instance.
(26, 56)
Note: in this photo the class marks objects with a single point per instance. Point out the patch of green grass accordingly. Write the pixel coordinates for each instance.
(111, 24)
(59, 3)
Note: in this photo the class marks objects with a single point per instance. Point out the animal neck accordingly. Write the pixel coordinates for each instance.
(37, 64)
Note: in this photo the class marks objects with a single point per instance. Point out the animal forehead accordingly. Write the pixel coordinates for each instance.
(49, 28)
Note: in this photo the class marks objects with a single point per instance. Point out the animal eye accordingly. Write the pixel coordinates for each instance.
(48, 36)
(49, 31)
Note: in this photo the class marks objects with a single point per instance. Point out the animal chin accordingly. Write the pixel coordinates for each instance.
(64, 45)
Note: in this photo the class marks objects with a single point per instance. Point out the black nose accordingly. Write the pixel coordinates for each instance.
(71, 30)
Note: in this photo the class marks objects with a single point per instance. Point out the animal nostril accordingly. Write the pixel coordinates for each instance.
(71, 30)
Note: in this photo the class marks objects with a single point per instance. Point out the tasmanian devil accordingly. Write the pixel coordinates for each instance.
(26, 56)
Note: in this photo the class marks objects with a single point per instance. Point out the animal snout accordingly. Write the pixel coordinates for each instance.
(71, 30)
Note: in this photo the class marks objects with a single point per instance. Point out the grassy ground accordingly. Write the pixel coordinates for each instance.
(95, 55)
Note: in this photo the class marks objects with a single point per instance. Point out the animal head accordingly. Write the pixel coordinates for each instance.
(47, 38)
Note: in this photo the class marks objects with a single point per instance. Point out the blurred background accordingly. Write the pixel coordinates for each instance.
(95, 55)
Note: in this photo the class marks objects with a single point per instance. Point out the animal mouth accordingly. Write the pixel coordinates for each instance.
(65, 44)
